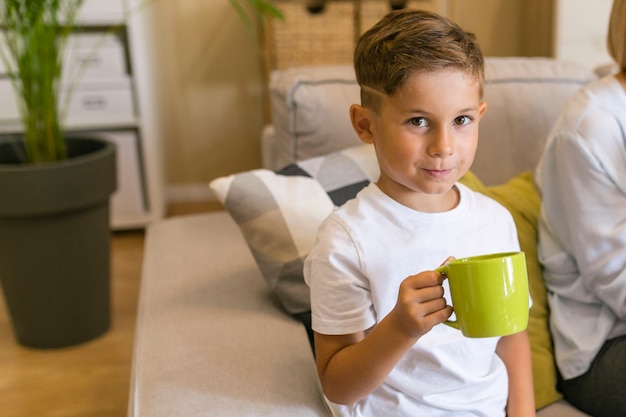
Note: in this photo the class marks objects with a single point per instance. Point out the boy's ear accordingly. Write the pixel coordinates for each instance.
(361, 118)
(481, 109)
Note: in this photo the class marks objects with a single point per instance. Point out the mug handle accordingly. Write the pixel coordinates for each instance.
(443, 269)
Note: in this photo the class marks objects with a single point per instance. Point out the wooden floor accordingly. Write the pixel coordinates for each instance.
(91, 379)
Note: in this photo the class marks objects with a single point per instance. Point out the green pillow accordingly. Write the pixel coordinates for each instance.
(521, 198)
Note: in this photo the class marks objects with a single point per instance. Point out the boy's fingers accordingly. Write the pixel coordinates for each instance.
(443, 314)
(433, 306)
(448, 259)
(424, 279)
(433, 313)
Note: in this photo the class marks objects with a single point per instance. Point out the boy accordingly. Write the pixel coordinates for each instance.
(381, 347)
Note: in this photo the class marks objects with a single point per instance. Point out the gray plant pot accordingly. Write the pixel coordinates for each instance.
(55, 244)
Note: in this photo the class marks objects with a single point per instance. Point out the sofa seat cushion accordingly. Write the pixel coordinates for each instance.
(210, 338)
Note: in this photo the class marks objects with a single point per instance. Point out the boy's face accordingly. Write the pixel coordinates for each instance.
(425, 137)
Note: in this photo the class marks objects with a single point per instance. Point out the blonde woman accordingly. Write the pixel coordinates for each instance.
(582, 236)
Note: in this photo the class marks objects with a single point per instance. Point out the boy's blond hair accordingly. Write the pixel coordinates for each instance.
(616, 38)
(407, 41)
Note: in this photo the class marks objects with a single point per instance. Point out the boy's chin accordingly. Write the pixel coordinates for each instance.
(439, 190)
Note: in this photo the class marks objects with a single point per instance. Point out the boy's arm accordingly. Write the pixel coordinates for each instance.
(514, 350)
(352, 366)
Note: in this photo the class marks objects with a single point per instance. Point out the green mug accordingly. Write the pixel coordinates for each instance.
(489, 294)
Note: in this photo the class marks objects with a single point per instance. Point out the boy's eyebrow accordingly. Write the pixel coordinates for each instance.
(465, 110)
(468, 109)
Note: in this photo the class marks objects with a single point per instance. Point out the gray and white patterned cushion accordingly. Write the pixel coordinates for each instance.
(279, 212)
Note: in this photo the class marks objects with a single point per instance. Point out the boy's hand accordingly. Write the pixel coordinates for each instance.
(421, 304)
(340, 358)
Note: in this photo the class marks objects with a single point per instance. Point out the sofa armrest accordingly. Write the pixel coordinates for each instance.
(210, 339)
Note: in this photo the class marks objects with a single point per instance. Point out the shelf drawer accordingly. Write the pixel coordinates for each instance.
(91, 56)
(101, 12)
(94, 56)
(101, 103)
(107, 103)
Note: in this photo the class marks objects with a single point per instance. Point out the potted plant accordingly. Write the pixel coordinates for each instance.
(54, 210)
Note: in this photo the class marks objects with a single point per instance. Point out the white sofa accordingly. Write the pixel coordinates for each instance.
(212, 337)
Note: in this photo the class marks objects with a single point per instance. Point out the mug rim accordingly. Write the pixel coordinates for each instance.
(486, 257)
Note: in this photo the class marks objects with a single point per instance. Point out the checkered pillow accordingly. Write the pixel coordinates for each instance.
(279, 212)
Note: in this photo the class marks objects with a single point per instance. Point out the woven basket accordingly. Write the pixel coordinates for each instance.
(328, 37)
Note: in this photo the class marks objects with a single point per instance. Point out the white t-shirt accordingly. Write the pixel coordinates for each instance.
(363, 251)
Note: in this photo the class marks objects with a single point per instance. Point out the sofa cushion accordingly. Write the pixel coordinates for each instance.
(310, 112)
(521, 198)
(279, 212)
(524, 97)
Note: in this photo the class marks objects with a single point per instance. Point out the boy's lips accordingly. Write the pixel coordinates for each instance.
(438, 173)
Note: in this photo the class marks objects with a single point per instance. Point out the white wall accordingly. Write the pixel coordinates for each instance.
(580, 30)
(211, 79)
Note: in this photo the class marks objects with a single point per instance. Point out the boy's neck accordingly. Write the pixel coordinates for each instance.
(425, 203)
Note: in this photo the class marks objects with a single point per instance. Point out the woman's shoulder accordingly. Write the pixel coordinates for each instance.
(594, 116)
(596, 98)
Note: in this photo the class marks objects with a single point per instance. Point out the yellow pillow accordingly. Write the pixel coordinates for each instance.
(521, 198)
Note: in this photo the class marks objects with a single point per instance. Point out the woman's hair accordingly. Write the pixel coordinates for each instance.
(405, 42)
(616, 38)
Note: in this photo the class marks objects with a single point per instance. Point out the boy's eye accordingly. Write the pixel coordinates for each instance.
(418, 121)
(462, 120)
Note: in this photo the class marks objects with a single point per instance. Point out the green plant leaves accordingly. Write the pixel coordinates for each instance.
(35, 33)
(252, 11)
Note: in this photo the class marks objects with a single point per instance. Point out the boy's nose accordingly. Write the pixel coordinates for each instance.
(442, 143)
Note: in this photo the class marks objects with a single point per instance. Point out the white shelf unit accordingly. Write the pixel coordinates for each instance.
(113, 99)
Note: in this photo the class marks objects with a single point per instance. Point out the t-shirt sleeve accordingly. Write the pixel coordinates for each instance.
(341, 301)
